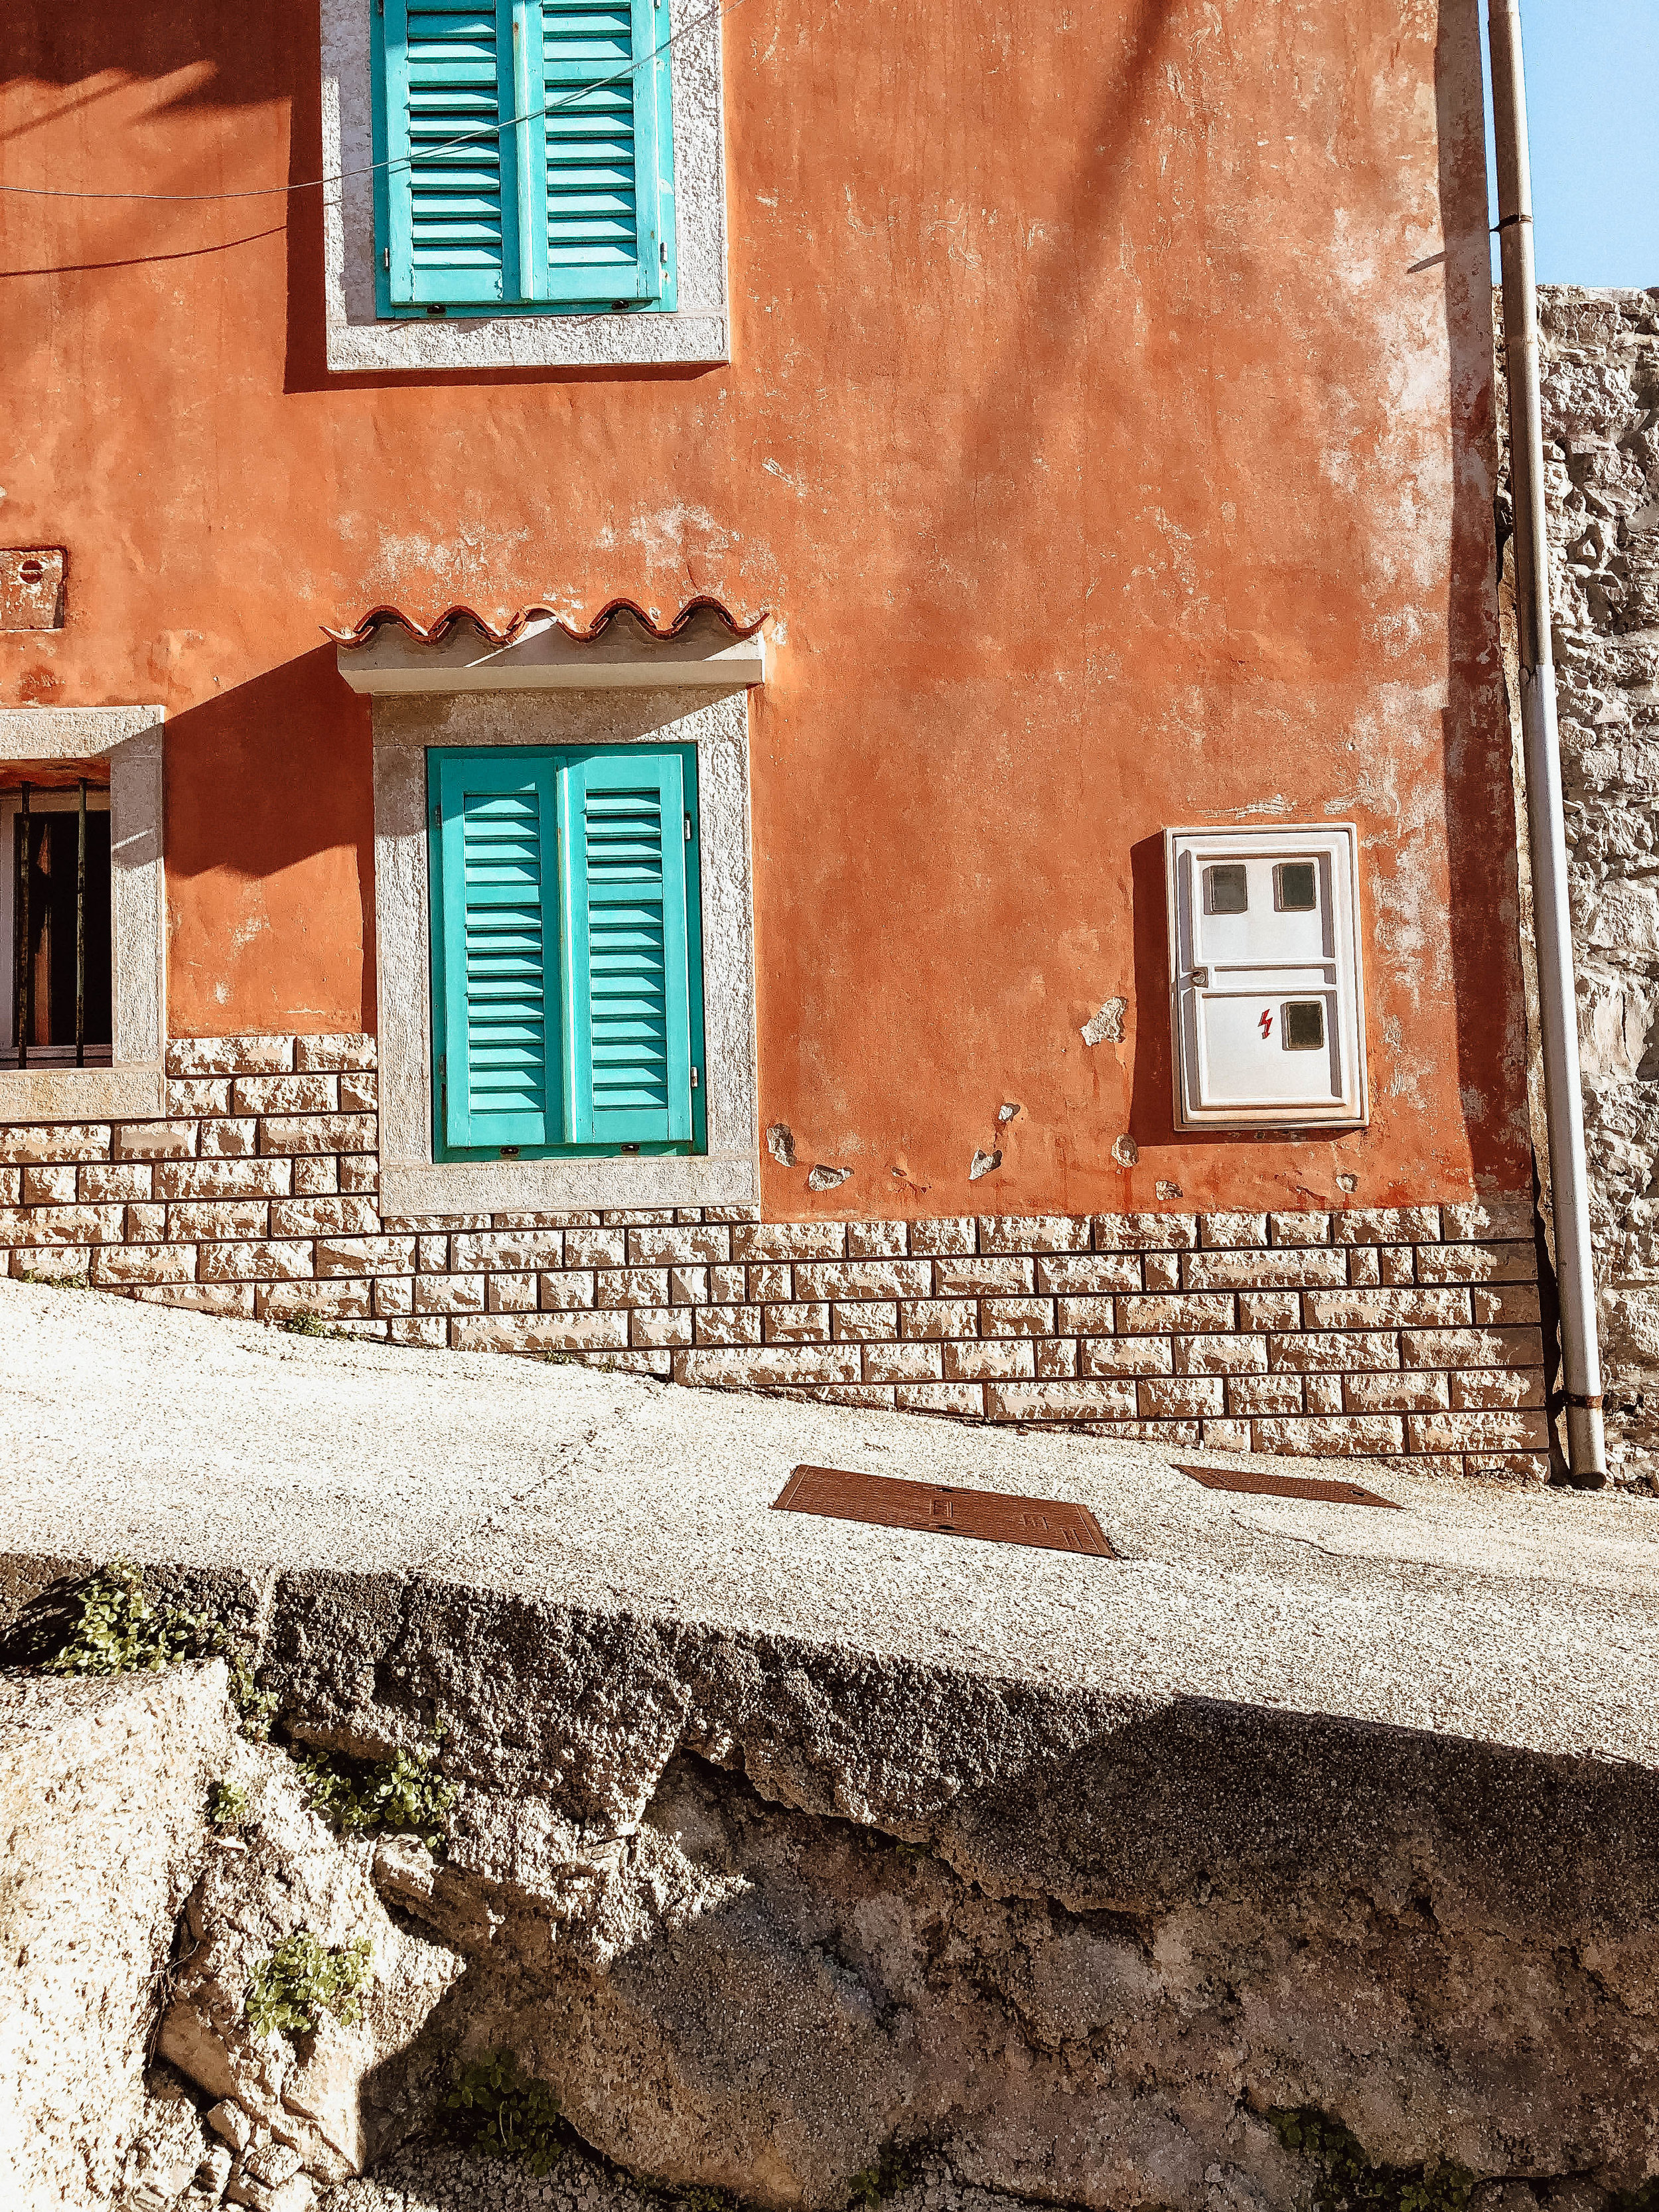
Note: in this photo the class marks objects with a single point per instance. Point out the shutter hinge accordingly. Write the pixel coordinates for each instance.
(380, 7)
(385, 256)
(438, 813)
(694, 1078)
(688, 829)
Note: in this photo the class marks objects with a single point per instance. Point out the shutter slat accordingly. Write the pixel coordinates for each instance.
(600, 150)
(630, 994)
(496, 948)
(451, 182)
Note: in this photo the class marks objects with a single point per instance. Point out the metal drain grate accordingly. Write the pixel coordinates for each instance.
(886, 1501)
(1286, 1486)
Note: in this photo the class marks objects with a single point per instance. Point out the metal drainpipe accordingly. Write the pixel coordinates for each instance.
(1581, 1361)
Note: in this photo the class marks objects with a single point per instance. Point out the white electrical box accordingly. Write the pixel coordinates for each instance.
(1265, 977)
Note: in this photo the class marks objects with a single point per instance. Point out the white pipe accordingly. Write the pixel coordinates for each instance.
(1581, 1363)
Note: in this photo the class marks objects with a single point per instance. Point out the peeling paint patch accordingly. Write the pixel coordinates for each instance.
(1126, 1152)
(1347, 1182)
(823, 1178)
(982, 1163)
(781, 1143)
(1167, 1190)
(1107, 1026)
(1006, 1113)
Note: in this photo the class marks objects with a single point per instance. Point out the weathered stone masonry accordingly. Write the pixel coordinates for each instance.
(1409, 1333)
(1601, 407)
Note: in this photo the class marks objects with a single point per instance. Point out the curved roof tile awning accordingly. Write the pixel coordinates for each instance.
(705, 646)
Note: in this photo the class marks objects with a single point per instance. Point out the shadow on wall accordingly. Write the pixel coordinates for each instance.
(270, 855)
(93, 54)
(1480, 823)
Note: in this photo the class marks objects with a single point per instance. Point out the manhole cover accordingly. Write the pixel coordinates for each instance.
(1286, 1486)
(888, 1501)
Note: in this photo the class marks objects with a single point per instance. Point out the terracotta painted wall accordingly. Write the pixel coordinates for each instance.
(1108, 427)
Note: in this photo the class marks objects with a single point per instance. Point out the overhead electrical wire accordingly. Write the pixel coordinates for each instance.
(403, 161)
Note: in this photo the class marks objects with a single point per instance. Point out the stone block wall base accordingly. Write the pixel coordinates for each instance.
(1411, 1336)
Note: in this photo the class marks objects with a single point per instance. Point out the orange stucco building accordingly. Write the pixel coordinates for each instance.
(1093, 409)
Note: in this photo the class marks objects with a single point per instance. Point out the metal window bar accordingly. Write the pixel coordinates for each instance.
(23, 997)
(81, 933)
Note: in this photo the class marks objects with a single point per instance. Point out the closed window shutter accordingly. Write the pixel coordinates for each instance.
(495, 914)
(608, 144)
(629, 1014)
(454, 207)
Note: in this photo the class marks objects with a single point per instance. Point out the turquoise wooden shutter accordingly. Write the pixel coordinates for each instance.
(628, 1002)
(454, 213)
(495, 944)
(608, 140)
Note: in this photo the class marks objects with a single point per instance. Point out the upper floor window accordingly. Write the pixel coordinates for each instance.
(528, 154)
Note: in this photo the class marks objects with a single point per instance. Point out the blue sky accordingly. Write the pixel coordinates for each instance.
(1593, 108)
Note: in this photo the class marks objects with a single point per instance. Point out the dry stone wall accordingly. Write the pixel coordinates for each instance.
(1409, 1334)
(1601, 405)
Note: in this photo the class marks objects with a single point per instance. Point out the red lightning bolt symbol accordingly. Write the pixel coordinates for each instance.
(1266, 1020)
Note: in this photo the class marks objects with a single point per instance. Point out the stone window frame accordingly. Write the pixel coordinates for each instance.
(134, 1085)
(413, 1184)
(697, 330)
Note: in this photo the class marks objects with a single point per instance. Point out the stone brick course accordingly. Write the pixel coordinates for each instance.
(1410, 1333)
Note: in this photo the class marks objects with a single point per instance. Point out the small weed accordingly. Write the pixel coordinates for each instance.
(402, 1794)
(81, 1282)
(896, 2167)
(559, 1358)
(310, 1324)
(256, 1708)
(494, 2112)
(1350, 2181)
(228, 1806)
(123, 1630)
(697, 2198)
(300, 1981)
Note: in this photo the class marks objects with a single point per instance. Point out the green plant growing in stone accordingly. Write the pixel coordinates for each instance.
(896, 2167)
(124, 1630)
(698, 2198)
(403, 1794)
(79, 1282)
(496, 2111)
(309, 1324)
(290, 1991)
(1350, 2180)
(228, 1806)
(256, 1708)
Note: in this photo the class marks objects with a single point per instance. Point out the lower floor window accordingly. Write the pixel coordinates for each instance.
(55, 919)
(567, 954)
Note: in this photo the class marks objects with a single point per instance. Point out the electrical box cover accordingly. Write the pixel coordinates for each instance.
(1265, 977)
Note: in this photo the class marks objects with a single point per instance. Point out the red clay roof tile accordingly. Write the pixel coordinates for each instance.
(430, 633)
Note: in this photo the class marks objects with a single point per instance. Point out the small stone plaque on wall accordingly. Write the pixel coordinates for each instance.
(32, 586)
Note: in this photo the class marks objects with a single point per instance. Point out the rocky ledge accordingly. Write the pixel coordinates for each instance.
(801, 1860)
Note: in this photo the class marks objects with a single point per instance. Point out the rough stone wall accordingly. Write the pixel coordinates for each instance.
(103, 1833)
(765, 1910)
(1601, 407)
(1412, 1333)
